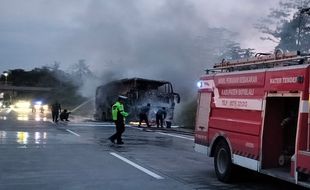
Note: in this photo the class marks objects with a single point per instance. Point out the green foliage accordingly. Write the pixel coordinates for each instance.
(288, 25)
(186, 117)
(233, 51)
(221, 48)
(63, 90)
(36, 77)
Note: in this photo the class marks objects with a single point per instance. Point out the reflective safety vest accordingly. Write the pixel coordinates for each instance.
(118, 112)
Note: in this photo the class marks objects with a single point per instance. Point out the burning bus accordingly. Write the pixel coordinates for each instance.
(139, 92)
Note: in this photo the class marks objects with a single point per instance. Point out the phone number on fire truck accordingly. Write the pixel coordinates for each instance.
(235, 103)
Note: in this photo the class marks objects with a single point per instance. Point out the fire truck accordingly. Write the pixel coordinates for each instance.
(254, 113)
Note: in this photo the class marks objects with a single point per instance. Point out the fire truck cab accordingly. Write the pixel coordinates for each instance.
(254, 113)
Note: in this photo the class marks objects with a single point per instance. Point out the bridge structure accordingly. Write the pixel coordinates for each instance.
(9, 92)
(24, 88)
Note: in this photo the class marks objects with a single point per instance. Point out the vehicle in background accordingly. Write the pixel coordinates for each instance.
(29, 106)
(4, 104)
(139, 92)
(39, 107)
(254, 113)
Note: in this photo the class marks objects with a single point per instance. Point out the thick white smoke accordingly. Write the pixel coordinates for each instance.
(170, 41)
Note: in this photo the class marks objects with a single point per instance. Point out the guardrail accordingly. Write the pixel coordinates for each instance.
(5, 83)
(24, 88)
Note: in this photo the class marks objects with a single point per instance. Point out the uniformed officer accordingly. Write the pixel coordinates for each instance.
(118, 116)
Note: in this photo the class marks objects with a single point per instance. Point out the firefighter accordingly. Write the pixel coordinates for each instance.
(160, 116)
(64, 115)
(143, 115)
(55, 111)
(118, 115)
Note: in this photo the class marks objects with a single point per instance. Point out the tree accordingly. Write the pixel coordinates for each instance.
(186, 117)
(81, 69)
(288, 25)
(234, 51)
(63, 89)
(213, 48)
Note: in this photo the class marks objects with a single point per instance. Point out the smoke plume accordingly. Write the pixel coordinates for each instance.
(171, 40)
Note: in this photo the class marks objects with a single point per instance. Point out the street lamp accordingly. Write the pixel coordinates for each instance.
(6, 74)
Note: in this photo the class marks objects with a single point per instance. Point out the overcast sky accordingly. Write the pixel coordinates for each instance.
(125, 38)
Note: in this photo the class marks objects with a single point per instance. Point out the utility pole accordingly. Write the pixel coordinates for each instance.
(6, 74)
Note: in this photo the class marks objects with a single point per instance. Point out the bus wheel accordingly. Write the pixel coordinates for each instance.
(222, 162)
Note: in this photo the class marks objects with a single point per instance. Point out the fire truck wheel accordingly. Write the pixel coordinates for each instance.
(222, 162)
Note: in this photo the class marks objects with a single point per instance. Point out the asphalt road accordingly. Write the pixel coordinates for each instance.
(37, 154)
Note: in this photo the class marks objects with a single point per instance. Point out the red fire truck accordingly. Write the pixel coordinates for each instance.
(254, 113)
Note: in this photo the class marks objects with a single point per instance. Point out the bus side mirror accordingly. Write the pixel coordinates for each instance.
(178, 97)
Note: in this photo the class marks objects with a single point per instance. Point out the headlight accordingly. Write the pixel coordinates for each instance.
(37, 107)
(38, 103)
(45, 107)
(199, 84)
(22, 104)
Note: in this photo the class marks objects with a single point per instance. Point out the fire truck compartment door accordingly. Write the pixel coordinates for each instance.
(203, 111)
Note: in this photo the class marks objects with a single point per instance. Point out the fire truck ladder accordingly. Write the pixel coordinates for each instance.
(260, 61)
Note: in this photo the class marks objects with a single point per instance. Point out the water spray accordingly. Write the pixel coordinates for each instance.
(82, 104)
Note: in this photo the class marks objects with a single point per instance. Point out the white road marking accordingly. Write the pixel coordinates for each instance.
(100, 125)
(92, 125)
(129, 126)
(72, 132)
(137, 166)
(178, 136)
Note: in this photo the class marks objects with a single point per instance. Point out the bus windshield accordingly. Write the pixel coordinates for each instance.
(140, 92)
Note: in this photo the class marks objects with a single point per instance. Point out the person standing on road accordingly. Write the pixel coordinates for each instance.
(55, 111)
(160, 116)
(143, 115)
(118, 115)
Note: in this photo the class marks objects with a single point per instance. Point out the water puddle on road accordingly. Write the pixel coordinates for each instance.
(34, 116)
(23, 115)
(38, 137)
(22, 138)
